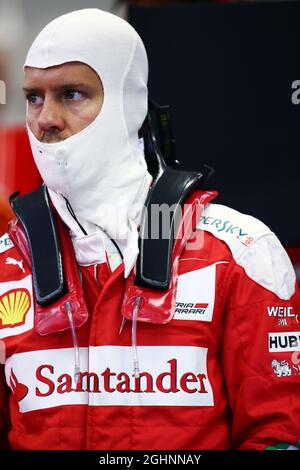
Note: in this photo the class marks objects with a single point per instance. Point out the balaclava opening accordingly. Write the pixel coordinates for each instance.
(101, 170)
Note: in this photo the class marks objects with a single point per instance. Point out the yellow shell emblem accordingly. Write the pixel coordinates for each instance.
(14, 306)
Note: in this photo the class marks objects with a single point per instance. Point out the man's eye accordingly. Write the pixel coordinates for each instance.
(74, 95)
(34, 99)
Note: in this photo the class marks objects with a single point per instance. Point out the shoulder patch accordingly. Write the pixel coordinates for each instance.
(253, 246)
(5, 243)
(237, 230)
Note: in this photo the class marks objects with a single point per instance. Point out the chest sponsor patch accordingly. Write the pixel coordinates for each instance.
(287, 341)
(16, 307)
(284, 315)
(5, 243)
(195, 296)
(169, 376)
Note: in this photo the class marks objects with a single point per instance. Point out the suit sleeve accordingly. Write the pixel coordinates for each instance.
(261, 353)
(4, 412)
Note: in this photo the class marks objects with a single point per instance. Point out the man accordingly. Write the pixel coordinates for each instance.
(222, 370)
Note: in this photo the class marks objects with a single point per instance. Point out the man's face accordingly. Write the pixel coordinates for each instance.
(62, 100)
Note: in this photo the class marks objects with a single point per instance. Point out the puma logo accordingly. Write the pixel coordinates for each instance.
(16, 263)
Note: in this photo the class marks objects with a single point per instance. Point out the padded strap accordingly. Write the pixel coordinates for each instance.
(153, 269)
(34, 212)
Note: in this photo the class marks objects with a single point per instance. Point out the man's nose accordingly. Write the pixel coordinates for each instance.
(51, 116)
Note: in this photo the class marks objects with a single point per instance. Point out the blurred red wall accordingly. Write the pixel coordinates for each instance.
(17, 169)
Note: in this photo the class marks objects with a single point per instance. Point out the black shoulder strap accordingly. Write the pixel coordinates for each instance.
(153, 267)
(34, 212)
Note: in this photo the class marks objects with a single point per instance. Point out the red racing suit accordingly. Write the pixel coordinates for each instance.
(224, 373)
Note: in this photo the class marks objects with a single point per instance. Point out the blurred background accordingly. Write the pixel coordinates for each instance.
(230, 72)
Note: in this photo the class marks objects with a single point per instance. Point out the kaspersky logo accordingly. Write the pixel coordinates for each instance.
(223, 226)
(226, 226)
(169, 376)
(14, 305)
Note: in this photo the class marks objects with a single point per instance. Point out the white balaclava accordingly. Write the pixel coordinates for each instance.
(104, 164)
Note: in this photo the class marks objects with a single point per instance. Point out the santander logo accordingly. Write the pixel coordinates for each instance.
(18, 389)
(109, 381)
(169, 376)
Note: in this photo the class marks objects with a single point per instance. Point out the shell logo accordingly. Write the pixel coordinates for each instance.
(14, 306)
